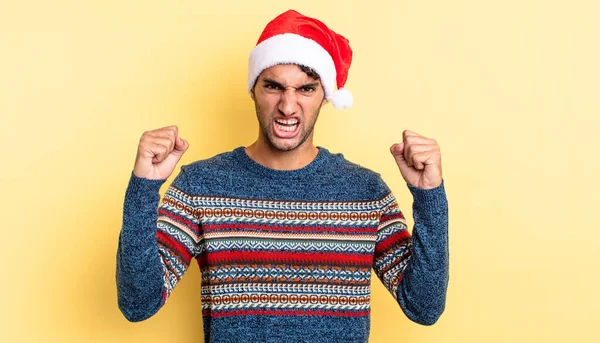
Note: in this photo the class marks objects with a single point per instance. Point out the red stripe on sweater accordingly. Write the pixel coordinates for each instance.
(393, 241)
(177, 247)
(187, 222)
(288, 257)
(397, 215)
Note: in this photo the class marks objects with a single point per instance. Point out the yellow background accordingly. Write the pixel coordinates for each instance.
(510, 89)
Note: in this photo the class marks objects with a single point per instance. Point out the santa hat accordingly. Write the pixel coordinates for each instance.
(294, 38)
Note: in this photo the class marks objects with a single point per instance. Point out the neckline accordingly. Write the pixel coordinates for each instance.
(242, 157)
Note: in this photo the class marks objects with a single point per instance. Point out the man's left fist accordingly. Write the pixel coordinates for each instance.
(419, 160)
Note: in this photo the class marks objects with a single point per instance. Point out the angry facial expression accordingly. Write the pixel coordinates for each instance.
(287, 103)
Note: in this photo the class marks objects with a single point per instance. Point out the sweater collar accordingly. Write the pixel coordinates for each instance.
(309, 170)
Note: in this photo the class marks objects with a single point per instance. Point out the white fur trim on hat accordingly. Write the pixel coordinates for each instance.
(342, 98)
(292, 48)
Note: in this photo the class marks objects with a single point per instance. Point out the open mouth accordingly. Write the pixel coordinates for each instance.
(286, 128)
(287, 124)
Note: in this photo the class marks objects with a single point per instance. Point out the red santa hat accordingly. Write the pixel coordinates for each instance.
(294, 38)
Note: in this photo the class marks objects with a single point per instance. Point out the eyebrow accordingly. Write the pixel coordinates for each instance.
(277, 84)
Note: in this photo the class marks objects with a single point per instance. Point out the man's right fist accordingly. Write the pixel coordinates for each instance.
(158, 153)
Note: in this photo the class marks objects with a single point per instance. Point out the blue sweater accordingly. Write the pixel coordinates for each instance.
(284, 256)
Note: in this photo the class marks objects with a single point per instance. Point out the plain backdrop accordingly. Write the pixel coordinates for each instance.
(509, 89)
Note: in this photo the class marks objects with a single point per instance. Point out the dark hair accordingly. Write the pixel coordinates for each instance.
(308, 70)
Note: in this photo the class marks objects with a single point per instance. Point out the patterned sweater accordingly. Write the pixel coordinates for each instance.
(284, 256)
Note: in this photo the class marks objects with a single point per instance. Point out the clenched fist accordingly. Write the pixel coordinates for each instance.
(419, 160)
(158, 153)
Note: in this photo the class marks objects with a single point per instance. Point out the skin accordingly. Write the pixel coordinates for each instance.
(158, 153)
(283, 92)
(419, 160)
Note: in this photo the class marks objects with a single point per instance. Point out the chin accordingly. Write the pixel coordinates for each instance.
(288, 146)
(283, 144)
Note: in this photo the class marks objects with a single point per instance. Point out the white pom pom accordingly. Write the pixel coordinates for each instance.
(342, 98)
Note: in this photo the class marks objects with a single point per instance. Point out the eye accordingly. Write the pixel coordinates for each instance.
(271, 86)
(307, 89)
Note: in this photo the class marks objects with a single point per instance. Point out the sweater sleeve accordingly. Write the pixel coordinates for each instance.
(156, 244)
(414, 268)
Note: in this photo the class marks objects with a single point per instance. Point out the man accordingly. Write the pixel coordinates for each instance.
(285, 233)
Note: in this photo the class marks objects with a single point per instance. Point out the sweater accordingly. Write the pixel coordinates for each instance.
(284, 255)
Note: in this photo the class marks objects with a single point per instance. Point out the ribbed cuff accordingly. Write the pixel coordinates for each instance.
(432, 201)
(141, 198)
(143, 185)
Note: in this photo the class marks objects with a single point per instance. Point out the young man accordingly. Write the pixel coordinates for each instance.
(285, 233)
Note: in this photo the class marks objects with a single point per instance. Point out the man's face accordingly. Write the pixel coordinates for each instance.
(287, 103)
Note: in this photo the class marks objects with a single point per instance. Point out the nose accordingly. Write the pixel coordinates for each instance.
(288, 103)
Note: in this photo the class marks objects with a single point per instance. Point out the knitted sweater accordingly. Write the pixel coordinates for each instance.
(284, 256)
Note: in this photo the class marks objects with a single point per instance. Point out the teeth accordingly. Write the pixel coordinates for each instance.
(285, 128)
(287, 121)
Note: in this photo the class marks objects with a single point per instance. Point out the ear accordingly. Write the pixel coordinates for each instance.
(252, 95)
(324, 102)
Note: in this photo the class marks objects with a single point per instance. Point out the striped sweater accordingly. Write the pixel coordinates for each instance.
(284, 256)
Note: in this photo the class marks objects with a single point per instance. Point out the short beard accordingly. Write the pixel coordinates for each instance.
(268, 134)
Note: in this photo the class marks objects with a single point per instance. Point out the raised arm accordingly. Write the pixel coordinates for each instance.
(415, 268)
(157, 241)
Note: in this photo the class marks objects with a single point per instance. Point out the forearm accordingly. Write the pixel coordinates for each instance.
(422, 291)
(139, 271)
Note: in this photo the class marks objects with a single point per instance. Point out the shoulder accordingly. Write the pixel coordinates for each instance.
(217, 162)
(347, 168)
(356, 176)
(210, 172)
